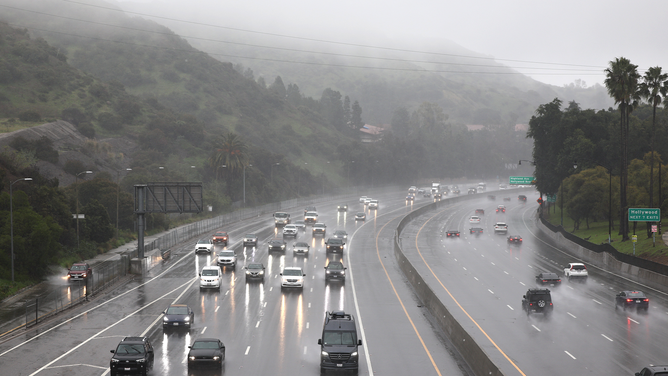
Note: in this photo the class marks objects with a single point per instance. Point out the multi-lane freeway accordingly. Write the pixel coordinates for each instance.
(481, 279)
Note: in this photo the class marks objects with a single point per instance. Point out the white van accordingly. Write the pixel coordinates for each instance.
(210, 277)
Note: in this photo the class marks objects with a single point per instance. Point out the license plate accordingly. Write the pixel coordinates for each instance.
(637, 301)
(176, 324)
(127, 369)
(339, 365)
(551, 284)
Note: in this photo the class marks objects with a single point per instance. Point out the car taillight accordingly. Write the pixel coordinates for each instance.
(558, 280)
(645, 300)
(629, 300)
(545, 280)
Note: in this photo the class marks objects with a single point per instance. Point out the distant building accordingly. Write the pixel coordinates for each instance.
(371, 133)
(477, 127)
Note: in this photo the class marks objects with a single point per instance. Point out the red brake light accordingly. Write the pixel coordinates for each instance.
(629, 300)
(645, 300)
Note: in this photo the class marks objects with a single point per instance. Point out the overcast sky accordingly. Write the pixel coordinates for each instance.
(571, 39)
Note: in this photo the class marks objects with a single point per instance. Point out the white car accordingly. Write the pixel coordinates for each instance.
(362, 199)
(500, 227)
(204, 245)
(227, 258)
(300, 248)
(210, 277)
(367, 200)
(373, 204)
(292, 276)
(576, 270)
(290, 230)
(474, 220)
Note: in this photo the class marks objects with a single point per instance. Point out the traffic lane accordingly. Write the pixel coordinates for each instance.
(396, 331)
(485, 273)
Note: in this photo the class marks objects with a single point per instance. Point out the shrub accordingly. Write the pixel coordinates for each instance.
(29, 116)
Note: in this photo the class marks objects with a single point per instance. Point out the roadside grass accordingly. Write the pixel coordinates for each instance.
(597, 233)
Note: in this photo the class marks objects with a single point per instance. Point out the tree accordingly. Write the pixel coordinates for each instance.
(278, 87)
(332, 108)
(97, 225)
(653, 88)
(346, 110)
(294, 95)
(230, 151)
(622, 84)
(356, 121)
(401, 122)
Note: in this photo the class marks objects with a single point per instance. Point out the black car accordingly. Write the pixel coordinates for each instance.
(537, 301)
(335, 271)
(341, 234)
(427, 194)
(514, 239)
(335, 244)
(133, 355)
(342, 208)
(178, 316)
(550, 279)
(206, 352)
(632, 300)
(653, 371)
(480, 211)
(475, 230)
(255, 271)
(250, 239)
(455, 191)
(452, 234)
(276, 245)
(522, 198)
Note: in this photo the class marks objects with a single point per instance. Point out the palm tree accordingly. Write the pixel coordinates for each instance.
(653, 88)
(622, 84)
(230, 152)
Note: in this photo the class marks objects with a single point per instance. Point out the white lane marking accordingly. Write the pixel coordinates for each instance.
(482, 255)
(632, 320)
(203, 330)
(311, 289)
(271, 288)
(304, 350)
(217, 308)
(258, 324)
(596, 301)
(571, 315)
(313, 277)
(307, 325)
(570, 287)
(227, 292)
(494, 264)
(569, 354)
(265, 305)
(490, 291)
(309, 305)
(535, 327)
(247, 350)
(506, 272)
(476, 278)
(522, 283)
(608, 338)
(511, 308)
(517, 258)
(455, 259)
(463, 267)
(530, 266)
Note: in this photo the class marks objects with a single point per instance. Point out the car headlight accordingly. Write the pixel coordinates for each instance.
(328, 272)
(187, 318)
(324, 353)
(113, 360)
(165, 319)
(353, 354)
(191, 358)
(141, 360)
(216, 358)
(262, 272)
(83, 275)
(248, 272)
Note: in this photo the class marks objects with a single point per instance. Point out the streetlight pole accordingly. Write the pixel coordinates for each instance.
(118, 193)
(11, 220)
(77, 186)
(250, 165)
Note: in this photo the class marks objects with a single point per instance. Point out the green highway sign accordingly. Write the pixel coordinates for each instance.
(644, 215)
(552, 198)
(522, 180)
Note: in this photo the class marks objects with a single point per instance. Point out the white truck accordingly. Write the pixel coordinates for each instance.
(281, 219)
(435, 188)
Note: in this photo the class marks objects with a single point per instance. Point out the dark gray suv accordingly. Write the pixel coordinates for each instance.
(339, 343)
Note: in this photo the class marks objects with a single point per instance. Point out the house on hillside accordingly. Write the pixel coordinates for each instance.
(371, 133)
(477, 127)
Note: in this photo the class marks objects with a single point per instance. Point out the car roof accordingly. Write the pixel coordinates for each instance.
(514, 236)
(319, 224)
(206, 340)
(340, 232)
(135, 339)
(178, 305)
(575, 263)
(292, 268)
(221, 232)
(79, 263)
(209, 267)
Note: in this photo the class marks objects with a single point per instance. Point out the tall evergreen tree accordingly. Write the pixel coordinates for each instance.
(356, 121)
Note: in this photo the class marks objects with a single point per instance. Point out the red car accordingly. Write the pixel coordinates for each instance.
(220, 237)
(79, 271)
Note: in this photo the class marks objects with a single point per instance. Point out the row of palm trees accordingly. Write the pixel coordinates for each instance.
(628, 89)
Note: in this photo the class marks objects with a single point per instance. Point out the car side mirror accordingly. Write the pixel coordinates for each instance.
(325, 268)
(345, 268)
(280, 273)
(190, 347)
(359, 342)
(200, 274)
(112, 351)
(303, 275)
(320, 343)
(524, 296)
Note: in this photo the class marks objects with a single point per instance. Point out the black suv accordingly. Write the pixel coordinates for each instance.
(335, 245)
(339, 343)
(134, 355)
(335, 271)
(537, 300)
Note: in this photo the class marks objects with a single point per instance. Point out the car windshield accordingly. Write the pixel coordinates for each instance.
(361, 214)
(332, 338)
(335, 241)
(301, 244)
(130, 349)
(281, 215)
(205, 345)
(335, 266)
(203, 241)
(177, 311)
(292, 272)
(311, 214)
(209, 272)
(250, 236)
(550, 275)
(78, 267)
(255, 266)
(227, 254)
(221, 234)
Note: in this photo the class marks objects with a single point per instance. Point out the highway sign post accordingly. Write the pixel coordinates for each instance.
(522, 180)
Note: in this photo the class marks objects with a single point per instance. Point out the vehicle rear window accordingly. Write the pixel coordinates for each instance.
(578, 267)
(635, 294)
